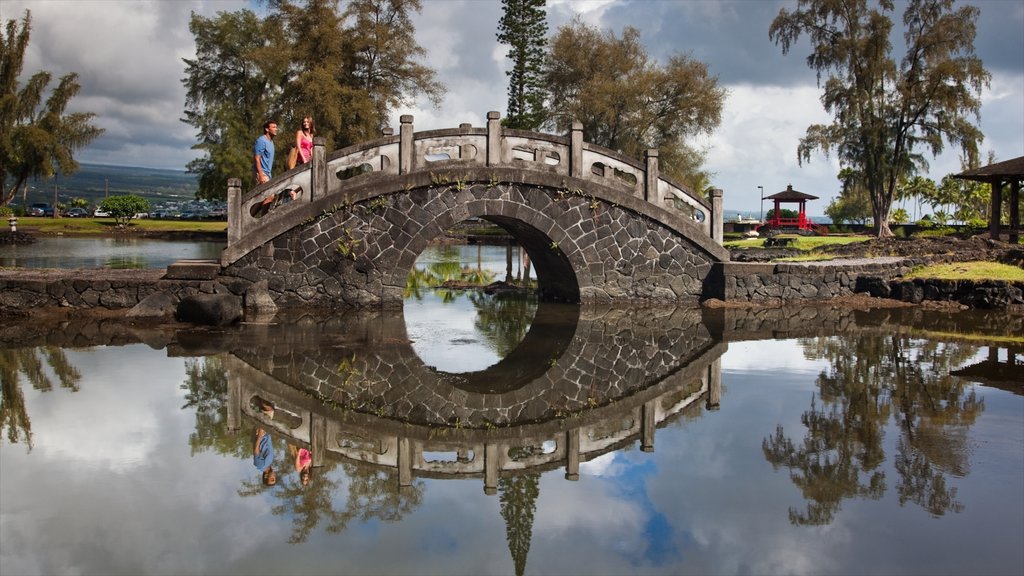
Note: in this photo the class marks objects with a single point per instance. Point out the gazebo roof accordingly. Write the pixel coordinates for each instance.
(1000, 170)
(790, 195)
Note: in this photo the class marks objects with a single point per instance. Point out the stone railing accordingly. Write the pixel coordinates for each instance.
(266, 207)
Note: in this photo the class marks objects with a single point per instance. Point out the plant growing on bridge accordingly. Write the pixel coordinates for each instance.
(348, 245)
(36, 139)
(124, 208)
(884, 112)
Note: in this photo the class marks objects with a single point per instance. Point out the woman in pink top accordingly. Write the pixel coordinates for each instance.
(304, 140)
(303, 463)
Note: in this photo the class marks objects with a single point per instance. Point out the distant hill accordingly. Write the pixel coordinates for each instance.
(95, 181)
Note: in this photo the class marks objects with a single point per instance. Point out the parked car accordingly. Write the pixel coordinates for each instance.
(76, 213)
(39, 209)
(101, 213)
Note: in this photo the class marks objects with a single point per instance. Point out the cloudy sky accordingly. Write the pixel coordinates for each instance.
(129, 58)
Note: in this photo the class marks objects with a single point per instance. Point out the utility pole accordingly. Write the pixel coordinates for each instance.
(761, 217)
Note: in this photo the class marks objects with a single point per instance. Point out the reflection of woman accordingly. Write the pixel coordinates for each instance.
(304, 140)
(263, 455)
(303, 463)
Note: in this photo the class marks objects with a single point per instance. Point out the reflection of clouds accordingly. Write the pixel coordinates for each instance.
(603, 465)
(111, 421)
(451, 343)
(706, 491)
(758, 355)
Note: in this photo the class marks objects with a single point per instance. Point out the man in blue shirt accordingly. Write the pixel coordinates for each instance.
(263, 152)
(263, 456)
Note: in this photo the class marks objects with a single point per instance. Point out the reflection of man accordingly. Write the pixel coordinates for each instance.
(263, 456)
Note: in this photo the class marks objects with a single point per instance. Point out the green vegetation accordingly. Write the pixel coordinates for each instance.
(888, 111)
(975, 271)
(524, 28)
(37, 139)
(124, 208)
(800, 242)
(671, 100)
(350, 65)
(99, 226)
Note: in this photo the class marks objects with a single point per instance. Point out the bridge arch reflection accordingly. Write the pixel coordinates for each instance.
(366, 396)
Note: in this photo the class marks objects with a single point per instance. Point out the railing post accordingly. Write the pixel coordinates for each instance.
(717, 219)
(318, 176)
(234, 419)
(404, 462)
(572, 454)
(493, 138)
(234, 209)
(576, 150)
(651, 188)
(490, 469)
(405, 144)
(714, 385)
(647, 425)
(996, 210)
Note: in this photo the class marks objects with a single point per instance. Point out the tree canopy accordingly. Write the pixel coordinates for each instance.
(348, 69)
(524, 28)
(629, 103)
(37, 138)
(887, 113)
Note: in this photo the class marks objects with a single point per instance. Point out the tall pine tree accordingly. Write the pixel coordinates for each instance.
(524, 27)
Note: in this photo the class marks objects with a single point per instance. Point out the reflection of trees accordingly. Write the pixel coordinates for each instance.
(503, 318)
(873, 378)
(29, 362)
(447, 269)
(372, 495)
(518, 496)
(206, 390)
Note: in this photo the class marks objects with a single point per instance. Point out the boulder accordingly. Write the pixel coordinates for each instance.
(210, 309)
(258, 300)
(156, 305)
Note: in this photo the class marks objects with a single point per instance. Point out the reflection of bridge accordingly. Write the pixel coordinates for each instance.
(597, 226)
(372, 399)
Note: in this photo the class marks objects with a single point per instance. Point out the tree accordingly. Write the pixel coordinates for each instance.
(630, 104)
(853, 204)
(524, 28)
(885, 113)
(36, 139)
(348, 69)
(124, 208)
(383, 66)
(230, 86)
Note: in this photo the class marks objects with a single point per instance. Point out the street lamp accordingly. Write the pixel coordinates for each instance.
(761, 217)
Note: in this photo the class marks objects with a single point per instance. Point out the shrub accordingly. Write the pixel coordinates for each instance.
(124, 208)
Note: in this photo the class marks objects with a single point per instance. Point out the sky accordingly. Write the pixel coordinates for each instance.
(128, 55)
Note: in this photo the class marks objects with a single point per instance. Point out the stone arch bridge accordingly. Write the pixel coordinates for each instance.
(597, 226)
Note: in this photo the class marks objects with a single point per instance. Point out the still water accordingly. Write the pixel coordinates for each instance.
(480, 433)
(87, 252)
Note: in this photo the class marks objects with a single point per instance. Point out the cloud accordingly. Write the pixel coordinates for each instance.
(129, 58)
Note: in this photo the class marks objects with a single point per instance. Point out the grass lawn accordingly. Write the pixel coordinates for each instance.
(88, 226)
(800, 242)
(976, 271)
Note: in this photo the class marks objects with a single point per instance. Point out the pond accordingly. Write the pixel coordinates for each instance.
(106, 252)
(490, 434)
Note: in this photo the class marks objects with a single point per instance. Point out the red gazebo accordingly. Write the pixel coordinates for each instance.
(800, 224)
